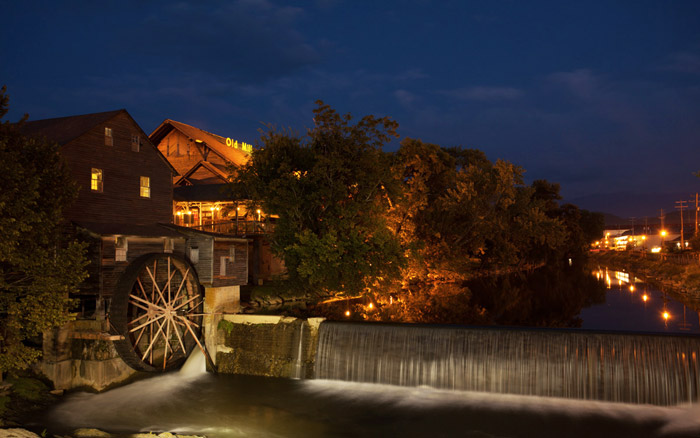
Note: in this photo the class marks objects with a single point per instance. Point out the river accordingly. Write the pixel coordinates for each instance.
(192, 401)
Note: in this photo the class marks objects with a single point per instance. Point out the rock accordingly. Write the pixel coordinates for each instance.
(17, 433)
(90, 433)
(56, 392)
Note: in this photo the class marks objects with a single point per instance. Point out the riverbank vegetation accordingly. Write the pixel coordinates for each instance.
(38, 268)
(410, 226)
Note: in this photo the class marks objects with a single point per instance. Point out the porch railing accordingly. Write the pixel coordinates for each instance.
(237, 227)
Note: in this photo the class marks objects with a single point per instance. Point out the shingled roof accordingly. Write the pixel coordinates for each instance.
(215, 142)
(64, 129)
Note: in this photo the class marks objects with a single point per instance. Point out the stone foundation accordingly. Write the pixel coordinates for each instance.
(80, 354)
(272, 346)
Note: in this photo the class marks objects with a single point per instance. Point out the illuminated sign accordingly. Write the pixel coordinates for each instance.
(246, 147)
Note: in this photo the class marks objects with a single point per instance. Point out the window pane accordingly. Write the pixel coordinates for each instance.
(145, 187)
(96, 180)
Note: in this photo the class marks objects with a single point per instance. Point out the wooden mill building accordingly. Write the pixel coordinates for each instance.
(124, 210)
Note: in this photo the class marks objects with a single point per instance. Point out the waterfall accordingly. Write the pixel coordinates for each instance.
(298, 363)
(631, 368)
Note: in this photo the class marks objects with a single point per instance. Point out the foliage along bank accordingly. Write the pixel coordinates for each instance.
(38, 269)
(356, 220)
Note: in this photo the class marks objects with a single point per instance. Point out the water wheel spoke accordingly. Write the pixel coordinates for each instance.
(150, 321)
(195, 308)
(162, 309)
(135, 302)
(181, 305)
(167, 342)
(138, 338)
(133, 321)
(155, 285)
(179, 336)
(153, 340)
(184, 280)
(188, 324)
(143, 291)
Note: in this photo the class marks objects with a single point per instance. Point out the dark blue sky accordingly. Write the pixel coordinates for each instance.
(602, 97)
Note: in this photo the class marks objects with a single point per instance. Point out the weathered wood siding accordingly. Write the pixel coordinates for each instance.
(137, 246)
(205, 247)
(120, 200)
(236, 268)
(183, 153)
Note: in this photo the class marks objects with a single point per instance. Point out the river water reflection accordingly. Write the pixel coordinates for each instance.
(633, 305)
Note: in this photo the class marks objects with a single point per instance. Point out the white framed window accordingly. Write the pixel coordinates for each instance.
(96, 180)
(193, 254)
(135, 142)
(121, 246)
(169, 245)
(145, 187)
(109, 141)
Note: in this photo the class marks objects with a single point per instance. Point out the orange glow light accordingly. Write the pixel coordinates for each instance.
(666, 315)
(347, 313)
(645, 297)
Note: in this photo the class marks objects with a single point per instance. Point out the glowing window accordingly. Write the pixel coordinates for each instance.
(145, 187)
(108, 136)
(96, 180)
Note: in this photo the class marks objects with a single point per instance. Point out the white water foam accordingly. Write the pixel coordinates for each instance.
(133, 399)
(677, 420)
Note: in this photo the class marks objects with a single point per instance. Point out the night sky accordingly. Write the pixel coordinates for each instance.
(602, 97)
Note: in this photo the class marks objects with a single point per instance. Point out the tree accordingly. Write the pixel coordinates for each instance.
(38, 269)
(330, 190)
(466, 212)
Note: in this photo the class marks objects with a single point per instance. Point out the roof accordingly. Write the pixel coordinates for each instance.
(64, 129)
(117, 229)
(217, 171)
(215, 142)
(200, 193)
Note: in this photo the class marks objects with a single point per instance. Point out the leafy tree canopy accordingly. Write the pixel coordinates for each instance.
(330, 190)
(37, 269)
(460, 211)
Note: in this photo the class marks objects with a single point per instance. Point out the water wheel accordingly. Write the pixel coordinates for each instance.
(157, 307)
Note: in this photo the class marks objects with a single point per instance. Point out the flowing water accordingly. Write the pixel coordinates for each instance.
(433, 381)
(660, 370)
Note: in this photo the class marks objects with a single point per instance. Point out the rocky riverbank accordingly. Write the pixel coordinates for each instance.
(89, 433)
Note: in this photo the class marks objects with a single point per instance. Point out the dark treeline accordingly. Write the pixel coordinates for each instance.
(355, 220)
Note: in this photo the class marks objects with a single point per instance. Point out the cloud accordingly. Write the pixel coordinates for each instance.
(405, 98)
(684, 62)
(487, 94)
(582, 83)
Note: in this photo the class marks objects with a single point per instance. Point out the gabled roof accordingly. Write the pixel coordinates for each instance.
(215, 142)
(216, 171)
(64, 129)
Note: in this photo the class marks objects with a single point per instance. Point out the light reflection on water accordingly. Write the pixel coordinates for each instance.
(633, 305)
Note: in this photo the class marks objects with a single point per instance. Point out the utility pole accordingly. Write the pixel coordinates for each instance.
(681, 205)
(696, 214)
